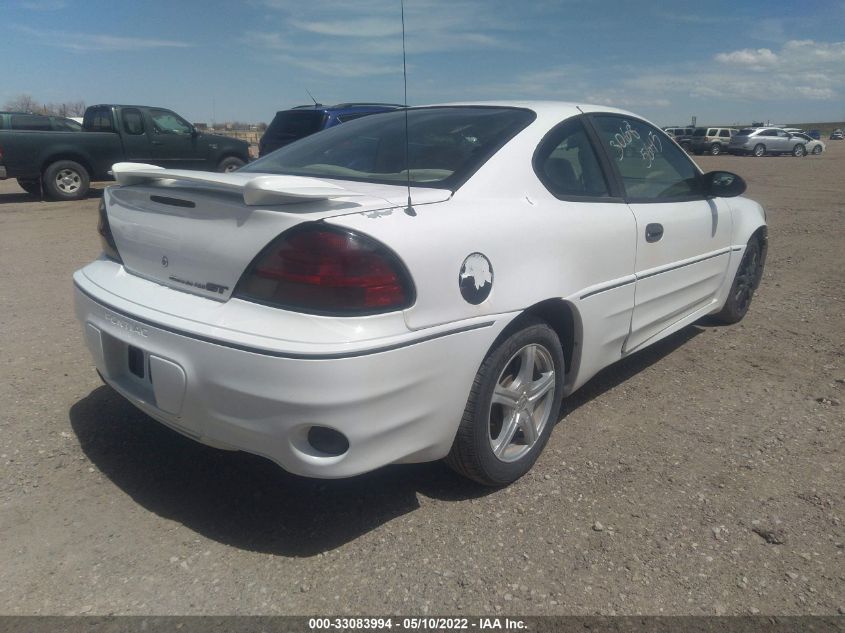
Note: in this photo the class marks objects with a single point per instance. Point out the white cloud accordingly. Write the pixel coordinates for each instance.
(760, 58)
(91, 42)
(364, 27)
(335, 35)
(794, 56)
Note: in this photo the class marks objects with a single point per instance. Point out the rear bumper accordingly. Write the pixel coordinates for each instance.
(393, 405)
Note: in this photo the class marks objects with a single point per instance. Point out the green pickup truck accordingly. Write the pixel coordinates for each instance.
(61, 164)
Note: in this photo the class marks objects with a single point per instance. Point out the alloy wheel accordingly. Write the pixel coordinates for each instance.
(746, 278)
(522, 403)
(68, 181)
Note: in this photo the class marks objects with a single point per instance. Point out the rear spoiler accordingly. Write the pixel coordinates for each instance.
(256, 189)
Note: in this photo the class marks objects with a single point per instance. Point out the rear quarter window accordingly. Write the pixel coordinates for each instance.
(99, 120)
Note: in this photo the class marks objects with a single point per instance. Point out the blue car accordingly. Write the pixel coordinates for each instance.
(815, 134)
(301, 121)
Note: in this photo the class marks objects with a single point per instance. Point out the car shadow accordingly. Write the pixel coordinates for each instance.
(250, 503)
(22, 196)
(622, 370)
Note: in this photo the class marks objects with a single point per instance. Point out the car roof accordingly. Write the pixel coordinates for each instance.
(544, 109)
(346, 106)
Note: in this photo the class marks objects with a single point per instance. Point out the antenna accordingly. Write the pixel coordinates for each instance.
(312, 97)
(409, 209)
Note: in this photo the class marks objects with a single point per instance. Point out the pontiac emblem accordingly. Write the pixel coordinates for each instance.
(164, 261)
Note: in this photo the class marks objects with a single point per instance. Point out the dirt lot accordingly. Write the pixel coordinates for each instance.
(704, 475)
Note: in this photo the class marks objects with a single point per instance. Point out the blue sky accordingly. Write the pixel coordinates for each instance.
(723, 61)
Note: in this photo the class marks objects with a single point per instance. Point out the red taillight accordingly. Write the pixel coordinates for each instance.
(324, 270)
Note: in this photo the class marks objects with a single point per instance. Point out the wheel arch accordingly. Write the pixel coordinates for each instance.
(76, 158)
(564, 319)
(232, 153)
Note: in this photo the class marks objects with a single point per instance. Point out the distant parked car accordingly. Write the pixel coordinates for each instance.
(766, 140)
(291, 125)
(810, 144)
(37, 122)
(836, 135)
(711, 140)
(682, 135)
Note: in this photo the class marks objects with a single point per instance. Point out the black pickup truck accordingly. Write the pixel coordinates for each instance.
(64, 163)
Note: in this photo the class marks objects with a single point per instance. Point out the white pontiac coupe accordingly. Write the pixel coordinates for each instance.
(300, 309)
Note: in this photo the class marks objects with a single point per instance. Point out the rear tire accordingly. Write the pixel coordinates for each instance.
(66, 180)
(799, 150)
(32, 187)
(759, 150)
(230, 163)
(512, 407)
(715, 149)
(744, 284)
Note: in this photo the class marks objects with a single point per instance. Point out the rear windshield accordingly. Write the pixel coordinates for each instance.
(746, 131)
(445, 145)
(700, 131)
(294, 124)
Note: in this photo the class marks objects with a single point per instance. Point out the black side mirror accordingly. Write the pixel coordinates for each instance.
(723, 184)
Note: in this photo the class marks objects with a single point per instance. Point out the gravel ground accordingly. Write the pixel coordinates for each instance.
(701, 476)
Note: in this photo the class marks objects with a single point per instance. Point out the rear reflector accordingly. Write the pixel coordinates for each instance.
(321, 269)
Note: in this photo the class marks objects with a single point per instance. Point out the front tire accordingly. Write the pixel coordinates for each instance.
(759, 150)
(744, 284)
(66, 180)
(817, 149)
(230, 163)
(512, 407)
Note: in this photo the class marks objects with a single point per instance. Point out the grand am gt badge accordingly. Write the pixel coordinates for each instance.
(476, 278)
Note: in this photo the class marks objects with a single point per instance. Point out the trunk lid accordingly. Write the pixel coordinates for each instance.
(198, 234)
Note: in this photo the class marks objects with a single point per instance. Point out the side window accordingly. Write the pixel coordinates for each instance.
(651, 168)
(133, 122)
(566, 163)
(98, 120)
(724, 133)
(166, 122)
